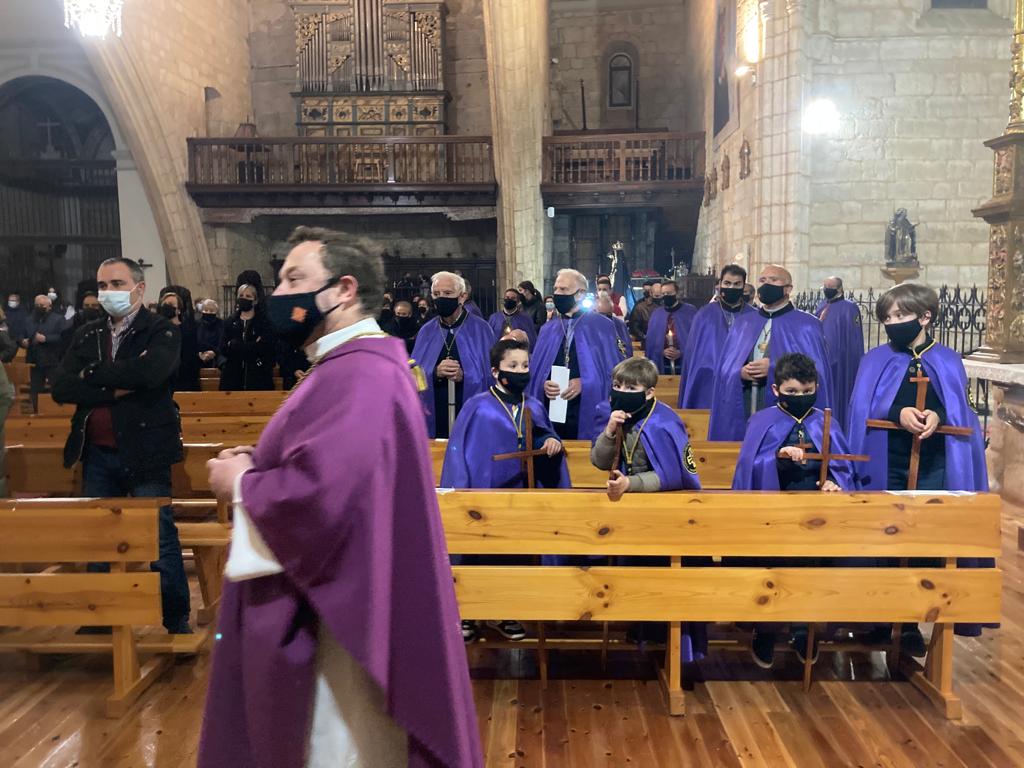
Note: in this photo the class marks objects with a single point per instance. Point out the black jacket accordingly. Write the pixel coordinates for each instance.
(146, 422)
(45, 354)
(249, 352)
(536, 311)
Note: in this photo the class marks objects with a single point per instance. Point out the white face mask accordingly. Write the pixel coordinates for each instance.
(116, 303)
(13, 303)
(51, 296)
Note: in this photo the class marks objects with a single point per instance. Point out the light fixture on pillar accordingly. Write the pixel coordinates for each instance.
(747, 69)
(93, 18)
(821, 117)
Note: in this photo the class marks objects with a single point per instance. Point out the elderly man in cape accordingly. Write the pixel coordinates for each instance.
(338, 557)
(586, 344)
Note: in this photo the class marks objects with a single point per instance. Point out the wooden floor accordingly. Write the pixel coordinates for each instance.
(738, 715)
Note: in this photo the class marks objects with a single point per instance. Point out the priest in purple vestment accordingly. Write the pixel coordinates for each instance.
(707, 338)
(582, 342)
(668, 330)
(510, 317)
(453, 350)
(840, 319)
(746, 364)
(338, 556)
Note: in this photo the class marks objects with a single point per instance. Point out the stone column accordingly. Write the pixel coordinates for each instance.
(140, 238)
(518, 60)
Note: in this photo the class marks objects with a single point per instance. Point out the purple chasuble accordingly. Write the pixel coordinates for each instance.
(700, 356)
(767, 430)
(474, 339)
(844, 335)
(343, 494)
(484, 429)
(657, 327)
(792, 331)
(597, 350)
(519, 320)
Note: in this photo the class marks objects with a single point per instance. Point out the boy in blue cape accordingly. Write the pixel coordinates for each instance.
(492, 423)
(782, 429)
(883, 390)
(655, 456)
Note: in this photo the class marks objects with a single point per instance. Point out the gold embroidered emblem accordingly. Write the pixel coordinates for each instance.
(622, 347)
(688, 461)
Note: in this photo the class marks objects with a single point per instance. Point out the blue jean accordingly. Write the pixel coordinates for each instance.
(105, 476)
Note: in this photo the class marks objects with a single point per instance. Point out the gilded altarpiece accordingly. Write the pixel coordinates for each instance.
(370, 68)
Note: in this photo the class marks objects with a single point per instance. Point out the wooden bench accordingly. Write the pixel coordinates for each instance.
(195, 404)
(237, 430)
(732, 524)
(53, 534)
(667, 390)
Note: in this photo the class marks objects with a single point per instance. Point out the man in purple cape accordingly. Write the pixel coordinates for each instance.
(840, 319)
(606, 308)
(511, 317)
(585, 343)
(338, 557)
(746, 364)
(454, 346)
(708, 332)
(671, 314)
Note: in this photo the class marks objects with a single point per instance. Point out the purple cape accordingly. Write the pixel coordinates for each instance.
(471, 307)
(343, 494)
(795, 331)
(845, 337)
(622, 331)
(767, 430)
(667, 446)
(484, 429)
(657, 327)
(597, 350)
(700, 356)
(519, 320)
(474, 340)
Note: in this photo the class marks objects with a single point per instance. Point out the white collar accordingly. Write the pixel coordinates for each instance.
(331, 341)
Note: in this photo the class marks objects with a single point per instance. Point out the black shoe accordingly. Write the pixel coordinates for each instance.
(510, 630)
(912, 642)
(94, 631)
(470, 631)
(762, 649)
(799, 645)
(879, 635)
(181, 628)
(647, 632)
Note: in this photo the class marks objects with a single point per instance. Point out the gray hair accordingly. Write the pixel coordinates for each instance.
(133, 266)
(459, 280)
(578, 277)
(209, 304)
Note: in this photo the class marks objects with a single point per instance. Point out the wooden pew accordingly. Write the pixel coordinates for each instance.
(237, 430)
(123, 532)
(667, 390)
(195, 404)
(733, 524)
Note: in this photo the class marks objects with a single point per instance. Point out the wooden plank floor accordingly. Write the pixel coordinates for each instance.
(738, 715)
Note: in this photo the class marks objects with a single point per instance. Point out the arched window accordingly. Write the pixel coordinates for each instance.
(620, 81)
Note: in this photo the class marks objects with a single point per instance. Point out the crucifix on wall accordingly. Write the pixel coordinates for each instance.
(50, 153)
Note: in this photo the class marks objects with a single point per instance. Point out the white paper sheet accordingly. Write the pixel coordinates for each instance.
(558, 408)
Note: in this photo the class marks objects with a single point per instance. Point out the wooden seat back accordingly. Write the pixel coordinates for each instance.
(236, 430)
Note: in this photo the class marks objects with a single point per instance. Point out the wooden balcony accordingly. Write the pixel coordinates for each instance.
(389, 171)
(617, 169)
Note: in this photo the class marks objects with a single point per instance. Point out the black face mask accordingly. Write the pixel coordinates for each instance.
(731, 295)
(902, 335)
(657, 300)
(747, 298)
(669, 301)
(630, 402)
(771, 294)
(831, 293)
(515, 382)
(424, 311)
(405, 324)
(296, 315)
(565, 304)
(92, 314)
(446, 306)
(510, 304)
(798, 406)
(168, 311)
(245, 305)
(209, 319)
(40, 313)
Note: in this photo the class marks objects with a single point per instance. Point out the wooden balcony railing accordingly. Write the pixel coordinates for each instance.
(307, 163)
(623, 158)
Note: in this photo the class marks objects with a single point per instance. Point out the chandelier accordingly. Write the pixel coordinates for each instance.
(93, 18)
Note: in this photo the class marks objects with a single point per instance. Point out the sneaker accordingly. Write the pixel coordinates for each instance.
(470, 631)
(799, 646)
(762, 649)
(912, 642)
(510, 630)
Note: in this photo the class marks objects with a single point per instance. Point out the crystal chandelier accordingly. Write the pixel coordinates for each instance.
(93, 18)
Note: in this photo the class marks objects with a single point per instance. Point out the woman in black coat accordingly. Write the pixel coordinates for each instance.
(176, 305)
(248, 346)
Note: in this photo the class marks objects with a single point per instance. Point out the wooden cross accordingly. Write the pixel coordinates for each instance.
(525, 456)
(915, 449)
(825, 455)
(619, 438)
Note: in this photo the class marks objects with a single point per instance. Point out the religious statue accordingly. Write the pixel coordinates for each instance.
(901, 240)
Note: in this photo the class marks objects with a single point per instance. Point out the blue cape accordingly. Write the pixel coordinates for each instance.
(622, 331)
(667, 446)
(844, 335)
(767, 430)
(657, 327)
(471, 307)
(700, 356)
(794, 331)
(482, 430)
(519, 320)
(474, 341)
(597, 350)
